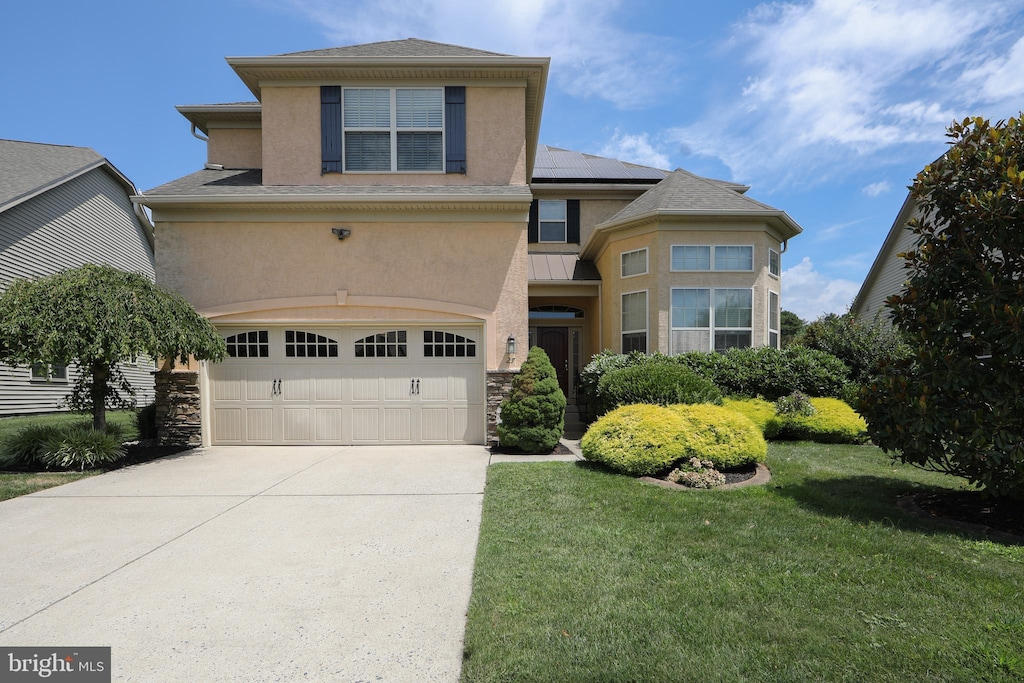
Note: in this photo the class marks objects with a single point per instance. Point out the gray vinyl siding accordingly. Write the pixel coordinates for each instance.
(88, 219)
(891, 276)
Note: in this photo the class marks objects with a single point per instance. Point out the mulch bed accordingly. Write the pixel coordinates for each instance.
(970, 507)
(143, 451)
(559, 449)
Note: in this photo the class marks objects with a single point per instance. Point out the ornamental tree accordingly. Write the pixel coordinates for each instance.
(533, 416)
(97, 317)
(956, 404)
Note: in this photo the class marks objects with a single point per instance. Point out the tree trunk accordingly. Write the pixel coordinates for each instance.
(100, 377)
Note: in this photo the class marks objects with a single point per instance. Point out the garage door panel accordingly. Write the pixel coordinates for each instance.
(434, 424)
(295, 383)
(365, 423)
(295, 427)
(365, 389)
(228, 425)
(328, 384)
(228, 386)
(328, 424)
(397, 388)
(259, 383)
(259, 425)
(435, 389)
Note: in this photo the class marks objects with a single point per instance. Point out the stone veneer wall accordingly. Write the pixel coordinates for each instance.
(499, 386)
(178, 411)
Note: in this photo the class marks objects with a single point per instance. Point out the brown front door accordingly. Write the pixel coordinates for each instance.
(555, 342)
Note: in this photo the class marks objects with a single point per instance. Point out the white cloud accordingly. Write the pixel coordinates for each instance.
(810, 294)
(1000, 78)
(636, 149)
(831, 84)
(592, 56)
(876, 189)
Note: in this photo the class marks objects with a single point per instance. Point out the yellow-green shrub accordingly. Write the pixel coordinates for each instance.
(725, 437)
(759, 411)
(834, 422)
(637, 440)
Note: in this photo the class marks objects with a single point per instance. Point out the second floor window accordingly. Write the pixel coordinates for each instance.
(393, 129)
(552, 220)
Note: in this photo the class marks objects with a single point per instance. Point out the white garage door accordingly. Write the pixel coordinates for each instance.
(348, 385)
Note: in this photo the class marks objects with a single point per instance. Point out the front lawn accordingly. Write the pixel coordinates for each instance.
(583, 575)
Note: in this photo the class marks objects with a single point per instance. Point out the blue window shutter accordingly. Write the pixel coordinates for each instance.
(533, 231)
(455, 129)
(572, 221)
(330, 128)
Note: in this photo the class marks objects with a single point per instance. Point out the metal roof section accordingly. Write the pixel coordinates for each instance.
(409, 47)
(28, 169)
(560, 268)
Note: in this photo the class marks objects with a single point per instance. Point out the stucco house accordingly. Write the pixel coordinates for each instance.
(62, 207)
(380, 236)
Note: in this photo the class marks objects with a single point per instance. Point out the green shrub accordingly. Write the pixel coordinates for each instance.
(795, 404)
(75, 448)
(638, 440)
(533, 416)
(759, 411)
(861, 345)
(145, 421)
(590, 377)
(833, 422)
(724, 437)
(23, 448)
(658, 383)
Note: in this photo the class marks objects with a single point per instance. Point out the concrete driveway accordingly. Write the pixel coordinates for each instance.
(253, 564)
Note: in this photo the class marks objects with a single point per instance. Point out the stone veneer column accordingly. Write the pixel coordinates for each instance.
(499, 386)
(178, 411)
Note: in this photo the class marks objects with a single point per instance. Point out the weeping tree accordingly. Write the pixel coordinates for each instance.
(956, 405)
(98, 317)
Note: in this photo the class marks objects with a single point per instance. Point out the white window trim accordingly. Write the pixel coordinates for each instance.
(712, 327)
(647, 263)
(768, 321)
(394, 130)
(565, 223)
(647, 318)
(711, 264)
(49, 379)
(778, 257)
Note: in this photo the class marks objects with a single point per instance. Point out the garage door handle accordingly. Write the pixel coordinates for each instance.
(417, 386)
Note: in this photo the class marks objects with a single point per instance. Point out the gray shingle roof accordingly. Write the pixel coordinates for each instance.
(27, 168)
(683, 191)
(563, 164)
(249, 183)
(410, 47)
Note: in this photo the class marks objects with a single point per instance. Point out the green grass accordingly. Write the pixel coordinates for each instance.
(583, 575)
(13, 484)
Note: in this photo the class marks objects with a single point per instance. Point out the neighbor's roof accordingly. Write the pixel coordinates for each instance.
(410, 47)
(28, 169)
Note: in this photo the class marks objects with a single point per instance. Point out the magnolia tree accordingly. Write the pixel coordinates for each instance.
(956, 405)
(97, 317)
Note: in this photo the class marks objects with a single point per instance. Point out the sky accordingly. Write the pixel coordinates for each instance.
(827, 109)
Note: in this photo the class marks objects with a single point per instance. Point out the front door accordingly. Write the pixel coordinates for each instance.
(555, 342)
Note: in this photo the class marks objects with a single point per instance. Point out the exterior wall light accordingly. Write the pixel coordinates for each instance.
(510, 346)
(342, 233)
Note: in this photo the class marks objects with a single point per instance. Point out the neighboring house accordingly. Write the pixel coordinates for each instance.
(62, 207)
(380, 236)
(888, 272)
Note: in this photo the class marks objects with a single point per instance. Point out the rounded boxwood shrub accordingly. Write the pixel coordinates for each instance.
(533, 416)
(833, 422)
(638, 440)
(657, 383)
(722, 436)
(759, 411)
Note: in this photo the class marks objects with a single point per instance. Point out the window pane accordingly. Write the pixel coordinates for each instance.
(773, 311)
(690, 340)
(634, 311)
(774, 263)
(634, 262)
(691, 258)
(552, 210)
(420, 152)
(691, 308)
(417, 108)
(734, 258)
(733, 308)
(368, 151)
(731, 340)
(367, 108)
(552, 232)
(39, 371)
(58, 372)
(635, 341)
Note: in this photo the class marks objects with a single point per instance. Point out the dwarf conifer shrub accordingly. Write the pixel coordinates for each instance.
(759, 411)
(533, 416)
(657, 383)
(833, 421)
(638, 440)
(724, 437)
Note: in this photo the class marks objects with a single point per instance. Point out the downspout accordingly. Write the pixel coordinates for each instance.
(197, 136)
(785, 247)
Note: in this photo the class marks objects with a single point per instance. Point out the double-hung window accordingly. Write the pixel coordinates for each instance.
(49, 372)
(393, 129)
(634, 322)
(552, 220)
(634, 262)
(705, 319)
(774, 263)
(773, 320)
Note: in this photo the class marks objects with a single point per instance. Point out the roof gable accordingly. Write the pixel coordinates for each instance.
(28, 168)
(682, 191)
(409, 47)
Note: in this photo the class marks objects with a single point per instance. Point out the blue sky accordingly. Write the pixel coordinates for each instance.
(826, 108)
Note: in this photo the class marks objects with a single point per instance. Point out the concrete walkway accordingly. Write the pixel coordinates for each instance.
(253, 564)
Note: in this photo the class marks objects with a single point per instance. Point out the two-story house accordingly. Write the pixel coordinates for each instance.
(380, 236)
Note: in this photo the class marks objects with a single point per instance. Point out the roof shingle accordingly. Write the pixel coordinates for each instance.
(409, 47)
(26, 167)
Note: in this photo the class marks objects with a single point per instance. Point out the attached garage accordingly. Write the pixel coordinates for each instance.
(307, 384)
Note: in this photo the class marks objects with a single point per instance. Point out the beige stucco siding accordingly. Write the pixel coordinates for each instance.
(593, 212)
(495, 141)
(235, 147)
(473, 270)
